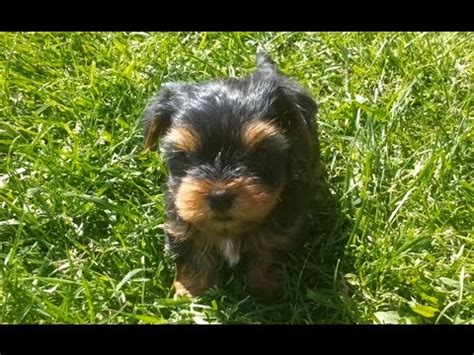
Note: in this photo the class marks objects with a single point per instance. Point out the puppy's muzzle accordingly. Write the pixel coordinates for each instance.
(221, 200)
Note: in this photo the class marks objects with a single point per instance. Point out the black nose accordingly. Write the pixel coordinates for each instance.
(221, 200)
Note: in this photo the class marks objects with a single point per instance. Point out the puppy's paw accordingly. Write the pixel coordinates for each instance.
(192, 286)
(181, 291)
(264, 283)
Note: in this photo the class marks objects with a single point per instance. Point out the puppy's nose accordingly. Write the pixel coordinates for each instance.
(221, 200)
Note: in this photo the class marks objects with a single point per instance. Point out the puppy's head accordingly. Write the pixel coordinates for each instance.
(228, 145)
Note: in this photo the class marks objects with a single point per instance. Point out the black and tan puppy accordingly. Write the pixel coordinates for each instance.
(241, 154)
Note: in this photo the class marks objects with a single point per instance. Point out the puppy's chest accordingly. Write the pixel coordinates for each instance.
(230, 250)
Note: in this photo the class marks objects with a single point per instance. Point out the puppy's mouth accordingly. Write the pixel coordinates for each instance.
(223, 225)
(223, 219)
(223, 222)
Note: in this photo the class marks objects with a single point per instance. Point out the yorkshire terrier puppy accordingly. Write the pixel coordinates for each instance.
(241, 154)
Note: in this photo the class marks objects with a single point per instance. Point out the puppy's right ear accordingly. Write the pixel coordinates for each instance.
(157, 116)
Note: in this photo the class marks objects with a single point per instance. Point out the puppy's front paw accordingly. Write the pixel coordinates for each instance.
(193, 285)
(181, 291)
(264, 282)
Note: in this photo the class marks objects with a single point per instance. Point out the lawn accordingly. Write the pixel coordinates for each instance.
(81, 205)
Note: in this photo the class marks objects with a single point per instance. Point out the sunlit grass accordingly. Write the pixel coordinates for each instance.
(81, 206)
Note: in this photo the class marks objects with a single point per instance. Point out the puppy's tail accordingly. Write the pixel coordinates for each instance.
(264, 61)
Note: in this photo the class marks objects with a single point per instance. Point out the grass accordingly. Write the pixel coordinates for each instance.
(81, 206)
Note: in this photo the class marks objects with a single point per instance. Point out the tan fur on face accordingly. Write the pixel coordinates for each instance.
(256, 131)
(183, 138)
(252, 204)
(190, 200)
(255, 201)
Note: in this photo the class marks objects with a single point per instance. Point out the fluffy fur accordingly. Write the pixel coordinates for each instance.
(241, 154)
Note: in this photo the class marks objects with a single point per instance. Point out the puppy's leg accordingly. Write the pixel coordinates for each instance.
(197, 264)
(196, 259)
(262, 252)
(195, 277)
(263, 275)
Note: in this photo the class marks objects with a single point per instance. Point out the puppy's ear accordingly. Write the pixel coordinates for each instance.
(299, 119)
(157, 116)
(304, 107)
(298, 109)
(264, 61)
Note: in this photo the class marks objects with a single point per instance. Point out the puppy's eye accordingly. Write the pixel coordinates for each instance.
(178, 161)
(180, 156)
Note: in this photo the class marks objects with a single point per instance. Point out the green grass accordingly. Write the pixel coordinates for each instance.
(81, 205)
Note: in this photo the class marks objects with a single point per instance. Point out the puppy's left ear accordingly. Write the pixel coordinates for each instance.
(305, 108)
(301, 108)
(157, 116)
(295, 100)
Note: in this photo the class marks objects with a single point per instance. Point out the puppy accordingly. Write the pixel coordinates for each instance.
(241, 154)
